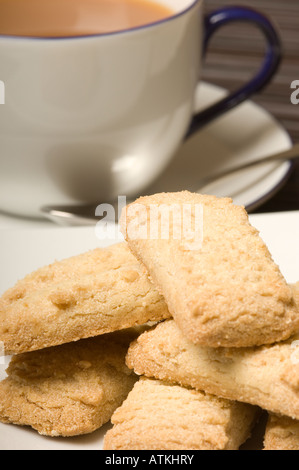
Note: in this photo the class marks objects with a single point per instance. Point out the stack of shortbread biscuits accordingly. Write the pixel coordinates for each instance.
(180, 335)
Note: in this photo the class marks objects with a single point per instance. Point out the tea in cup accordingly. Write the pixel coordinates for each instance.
(99, 94)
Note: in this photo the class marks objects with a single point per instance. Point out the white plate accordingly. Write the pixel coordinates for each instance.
(244, 134)
(22, 251)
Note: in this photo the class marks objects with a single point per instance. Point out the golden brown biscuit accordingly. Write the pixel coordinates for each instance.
(267, 376)
(282, 433)
(223, 290)
(70, 389)
(162, 416)
(97, 292)
(295, 288)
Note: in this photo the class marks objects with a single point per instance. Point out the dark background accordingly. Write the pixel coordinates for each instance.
(235, 53)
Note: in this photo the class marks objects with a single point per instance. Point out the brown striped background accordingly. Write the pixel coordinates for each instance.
(235, 54)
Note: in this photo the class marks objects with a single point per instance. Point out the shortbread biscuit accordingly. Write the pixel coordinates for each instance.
(267, 376)
(162, 416)
(97, 292)
(70, 389)
(295, 288)
(216, 274)
(282, 433)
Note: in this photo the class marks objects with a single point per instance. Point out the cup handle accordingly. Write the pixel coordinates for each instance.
(271, 62)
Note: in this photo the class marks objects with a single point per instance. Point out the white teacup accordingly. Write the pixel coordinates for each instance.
(89, 118)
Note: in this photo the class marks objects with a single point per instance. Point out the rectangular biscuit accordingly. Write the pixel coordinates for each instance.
(267, 376)
(162, 416)
(282, 433)
(70, 389)
(97, 292)
(216, 274)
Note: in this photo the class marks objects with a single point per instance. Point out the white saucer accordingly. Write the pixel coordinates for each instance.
(243, 134)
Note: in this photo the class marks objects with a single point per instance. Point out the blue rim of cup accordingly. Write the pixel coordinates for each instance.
(99, 35)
